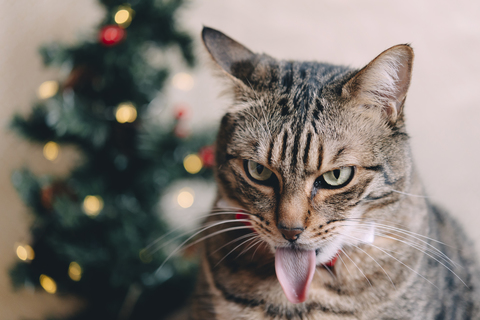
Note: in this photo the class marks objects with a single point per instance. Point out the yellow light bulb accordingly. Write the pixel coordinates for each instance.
(123, 16)
(185, 198)
(92, 205)
(47, 89)
(75, 271)
(183, 81)
(25, 252)
(192, 163)
(22, 253)
(51, 150)
(126, 112)
(48, 284)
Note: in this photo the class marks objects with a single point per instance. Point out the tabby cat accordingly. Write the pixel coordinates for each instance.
(320, 213)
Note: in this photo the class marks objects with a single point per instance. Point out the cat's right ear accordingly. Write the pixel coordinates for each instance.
(383, 82)
(233, 57)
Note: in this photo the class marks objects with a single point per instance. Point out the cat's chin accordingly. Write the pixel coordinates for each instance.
(326, 254)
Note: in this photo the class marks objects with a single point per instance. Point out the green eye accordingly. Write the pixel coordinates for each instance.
(256, 171)
(336, 178)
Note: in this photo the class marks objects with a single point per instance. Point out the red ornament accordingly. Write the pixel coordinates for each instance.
(56, 189)
(46, 197)
(207, 154)
(181, 112)
(111, 35)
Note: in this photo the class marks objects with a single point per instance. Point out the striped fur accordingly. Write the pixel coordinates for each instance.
(300, 120)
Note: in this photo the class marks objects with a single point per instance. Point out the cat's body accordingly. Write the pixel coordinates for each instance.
(317, 159)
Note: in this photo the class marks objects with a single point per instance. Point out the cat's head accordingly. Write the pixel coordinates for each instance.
(311, 150)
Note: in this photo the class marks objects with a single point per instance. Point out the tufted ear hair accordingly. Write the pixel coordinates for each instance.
(233, 57)
(384, 81)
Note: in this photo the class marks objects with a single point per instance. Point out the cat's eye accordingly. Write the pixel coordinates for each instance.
(257, 172)
(335, 179)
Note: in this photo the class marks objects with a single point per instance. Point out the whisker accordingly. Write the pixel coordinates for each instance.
(378, 248)
(432, 249)
(234, 240)
(329, 271)
(183, 225)
(414, 245)
(413, 234)
(208, 236)
(231, 210)
(251, 246)
(341, 259)
(253, 255)
(377, 264)
(197, 241)
(409, 194)
(211, 225)
(424, 252)
(374, 220)
(248, 240)
(357, 267)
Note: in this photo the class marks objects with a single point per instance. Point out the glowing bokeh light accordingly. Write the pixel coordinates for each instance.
(25, 252)
(123, 17)
(145, 256)
(74, 271)
(126, 112)
(185, 198)
(47, 89)
(183, 81)
(22, 253)
(51, 150)
(48, 284)
(92, 205)
(192, 163)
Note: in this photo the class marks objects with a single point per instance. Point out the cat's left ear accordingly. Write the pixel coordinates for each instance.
(234, 58)
(384, 81)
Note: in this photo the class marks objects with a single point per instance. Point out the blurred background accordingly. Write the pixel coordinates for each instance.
(442, 109)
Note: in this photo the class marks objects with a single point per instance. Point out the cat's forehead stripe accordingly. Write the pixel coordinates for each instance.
(294, 108)
(299, 152)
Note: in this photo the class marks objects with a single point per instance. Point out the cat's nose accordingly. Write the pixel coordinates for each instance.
(290, 234)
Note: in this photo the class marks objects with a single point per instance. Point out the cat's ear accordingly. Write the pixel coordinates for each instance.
(233, 57)
(384, 81)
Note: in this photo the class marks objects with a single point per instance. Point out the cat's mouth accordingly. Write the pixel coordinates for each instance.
(295, 269)
(295, 266)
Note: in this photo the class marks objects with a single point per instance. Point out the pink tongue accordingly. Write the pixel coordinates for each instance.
(295, 270)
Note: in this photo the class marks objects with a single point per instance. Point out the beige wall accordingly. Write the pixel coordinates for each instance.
(443, 107)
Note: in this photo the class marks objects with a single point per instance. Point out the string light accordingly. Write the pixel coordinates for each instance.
(126, 112)
(185, 198)
(183, 81)
(92, 205)
(74, 271)
(192, 163)
(47, 89)
(123, 16)
(25, 252)
(51, 150)
(48, 284)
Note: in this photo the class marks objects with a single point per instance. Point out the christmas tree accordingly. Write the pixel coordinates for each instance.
(93, 230)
